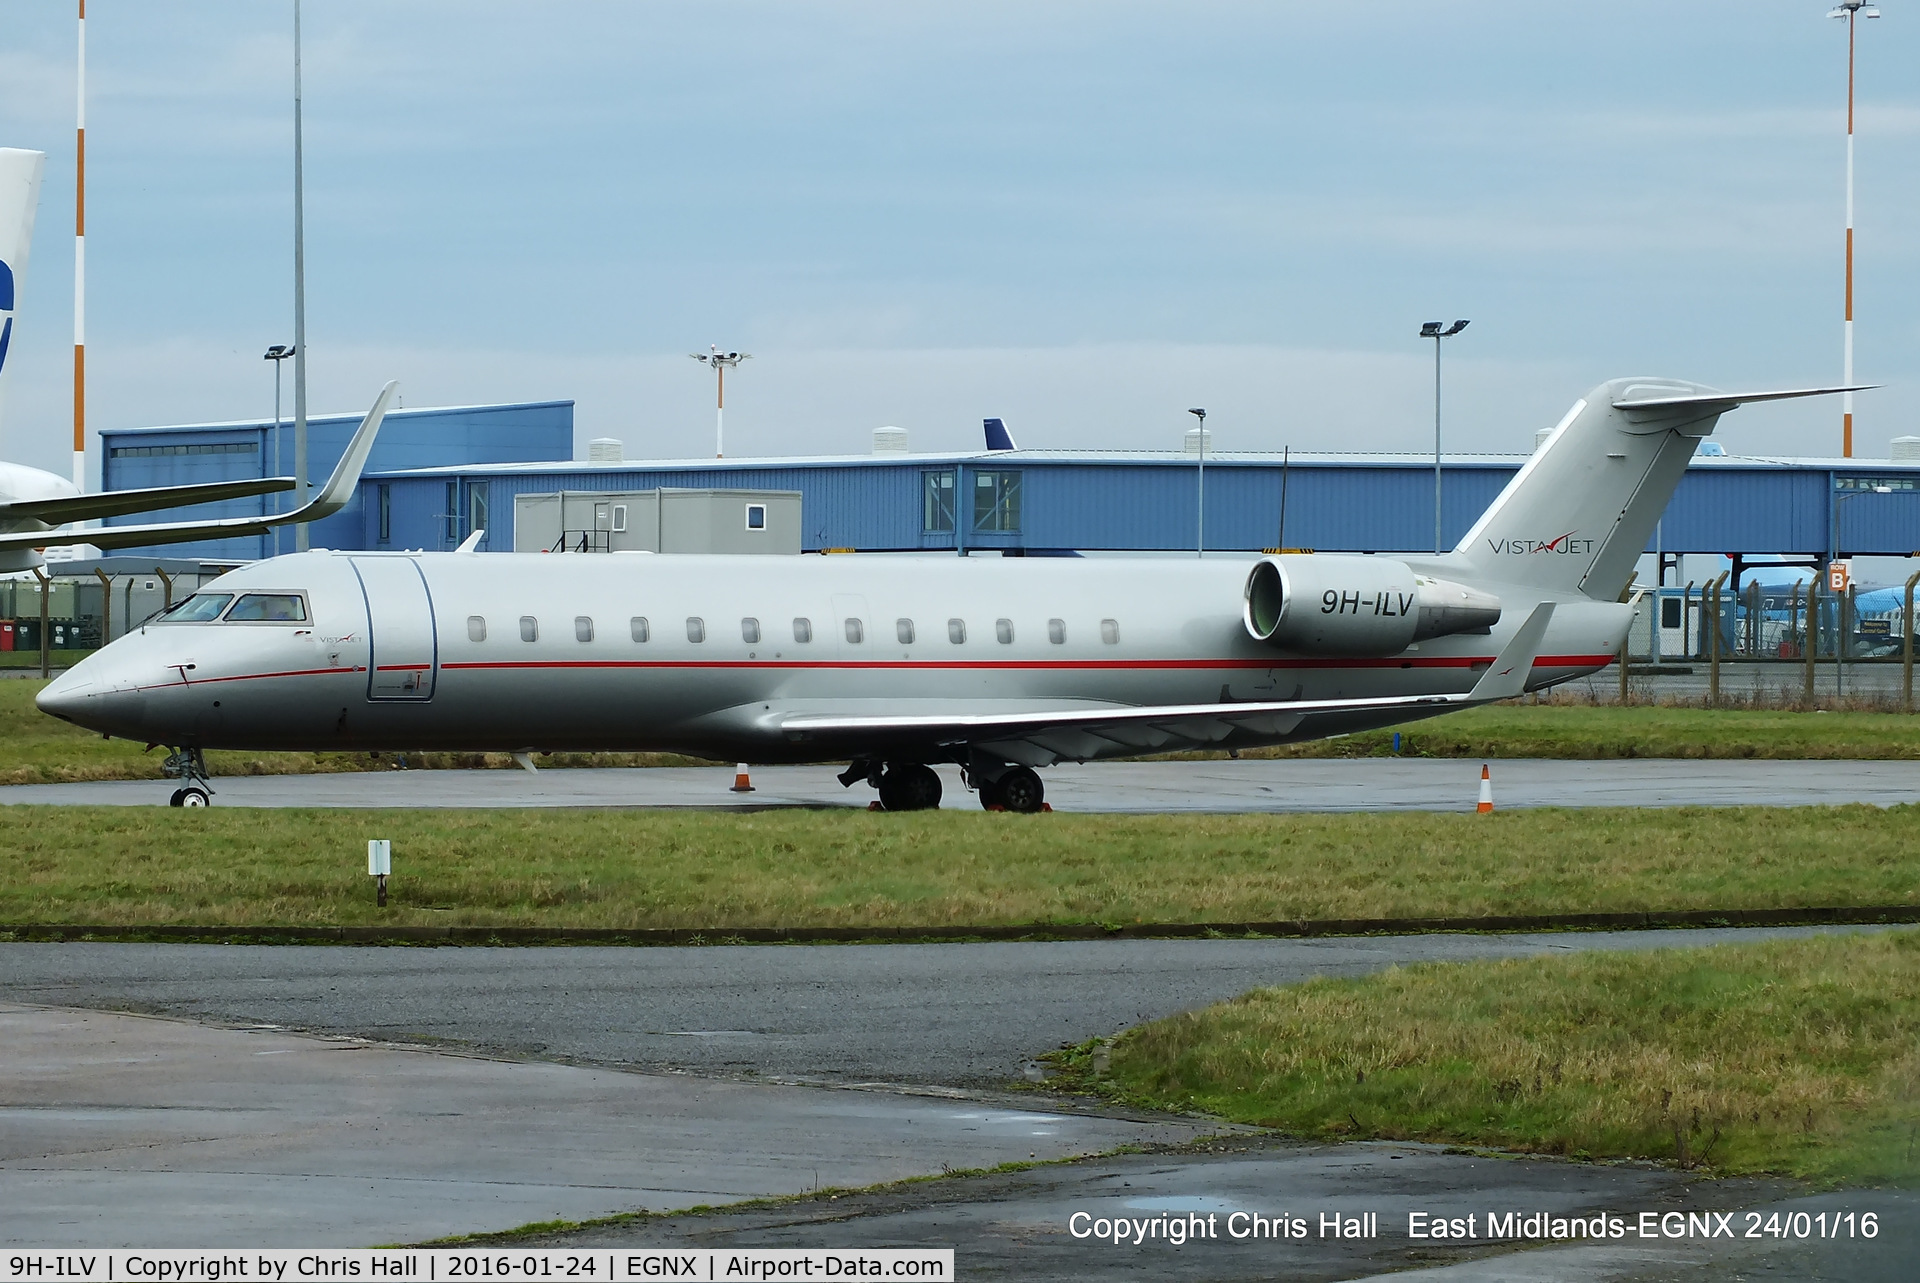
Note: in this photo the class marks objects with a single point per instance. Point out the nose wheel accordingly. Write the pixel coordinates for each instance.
(188, 764)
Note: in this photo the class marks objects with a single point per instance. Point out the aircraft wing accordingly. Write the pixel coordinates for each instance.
(330, 499)
(115, 503)
(1045, 736)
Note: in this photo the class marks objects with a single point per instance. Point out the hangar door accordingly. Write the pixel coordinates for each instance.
(404, 649)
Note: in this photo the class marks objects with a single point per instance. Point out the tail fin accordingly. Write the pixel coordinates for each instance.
(998, 438)
(19, 198)
(1577, 517)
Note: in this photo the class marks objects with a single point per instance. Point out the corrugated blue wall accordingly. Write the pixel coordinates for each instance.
(141, 457)
(1151, 504)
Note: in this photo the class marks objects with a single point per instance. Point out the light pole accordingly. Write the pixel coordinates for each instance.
(299, 301)
(721, 363)
(1200, 532)
(1850, 10)
(1840, 620)
(1432, 330)
(277, 353)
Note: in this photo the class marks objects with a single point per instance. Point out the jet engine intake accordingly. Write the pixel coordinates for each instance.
(1358, 605)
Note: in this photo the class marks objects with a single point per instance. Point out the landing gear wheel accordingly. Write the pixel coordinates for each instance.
(193, 796)
(909, 786)
(1018, 790)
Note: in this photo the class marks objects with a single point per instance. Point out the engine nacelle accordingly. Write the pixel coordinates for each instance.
(1358, 605)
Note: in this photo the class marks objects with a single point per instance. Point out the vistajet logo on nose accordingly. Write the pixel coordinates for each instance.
(1564, 546)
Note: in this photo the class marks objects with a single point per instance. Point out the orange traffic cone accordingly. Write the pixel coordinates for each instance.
(741, 784)
(1486, 791)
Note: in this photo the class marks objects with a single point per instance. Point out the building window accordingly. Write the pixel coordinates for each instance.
(583, 628)
(756, 516)
(450, 515)
(638, 624)
(476, 506)
(386, 512)
(1057, 631)
(696, 629)
(855, 633)
(476, 628)
(1670, 612)
(996, 501)
(1003, 629)
(619, 518)
(903, 629)
(1110, 632)
(529, 628)
(803, 630)
(750, 631)
(957, 631)
(936, 506)
(155, 451)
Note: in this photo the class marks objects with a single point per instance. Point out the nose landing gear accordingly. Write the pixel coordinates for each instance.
(188, 764)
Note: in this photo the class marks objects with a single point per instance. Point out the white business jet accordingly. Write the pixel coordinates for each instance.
(895, 663)
(33, 504)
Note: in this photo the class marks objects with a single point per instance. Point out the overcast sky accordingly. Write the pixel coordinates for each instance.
(1083, 217)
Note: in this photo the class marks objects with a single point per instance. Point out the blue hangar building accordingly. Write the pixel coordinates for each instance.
(437, 475)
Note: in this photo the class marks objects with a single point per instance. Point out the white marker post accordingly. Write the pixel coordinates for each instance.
(379, 865)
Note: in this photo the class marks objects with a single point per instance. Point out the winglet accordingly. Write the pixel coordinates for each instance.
(1508, 676)
(346, 474)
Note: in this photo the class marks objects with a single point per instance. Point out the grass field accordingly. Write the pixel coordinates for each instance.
(1794, 1056)
(706, 870)
(37, 749)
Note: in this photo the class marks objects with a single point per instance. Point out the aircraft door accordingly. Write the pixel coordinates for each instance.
(404, 644)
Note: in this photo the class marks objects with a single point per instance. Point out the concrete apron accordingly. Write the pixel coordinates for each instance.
(133, 1131)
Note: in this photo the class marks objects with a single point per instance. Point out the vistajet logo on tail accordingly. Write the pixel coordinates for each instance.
(1564, 546)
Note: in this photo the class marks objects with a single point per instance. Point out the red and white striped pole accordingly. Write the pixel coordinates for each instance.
(1850, 10)
(80, 267)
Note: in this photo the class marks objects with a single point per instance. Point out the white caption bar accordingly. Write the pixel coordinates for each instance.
(452, 1265)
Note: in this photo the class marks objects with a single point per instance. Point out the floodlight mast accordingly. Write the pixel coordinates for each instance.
(1850, 10)
(721, 363)
(1200, 533)
(1433, 330)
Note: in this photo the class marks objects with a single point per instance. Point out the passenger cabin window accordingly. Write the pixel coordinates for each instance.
(1110, 631)
(529, 628)
(855, 633)
(750, 631)
(1003, 629)
(803, 630)
(583, 628)
(476, 628)
(957, 631)
(903, 629)
(269, 608)
(638, 624)
(1057, 631)
(199, 608)
(696, 629)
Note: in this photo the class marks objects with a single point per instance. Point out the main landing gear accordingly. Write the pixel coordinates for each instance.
(903, 786)
(188, 764)
(914, 786)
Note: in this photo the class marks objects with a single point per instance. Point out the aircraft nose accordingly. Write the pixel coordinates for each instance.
(84, 696)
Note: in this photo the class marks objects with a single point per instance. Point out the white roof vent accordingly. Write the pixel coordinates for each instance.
(1540, 438)
(1196, 438)
(1904, 450)
(890, 441)
(606, 450)
(1710, 450)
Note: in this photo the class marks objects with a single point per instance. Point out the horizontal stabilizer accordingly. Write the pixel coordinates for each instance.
(1725, 400)
(332, 497)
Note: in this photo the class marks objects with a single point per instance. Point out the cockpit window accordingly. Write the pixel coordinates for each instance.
(199, 608)
(268, 607)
